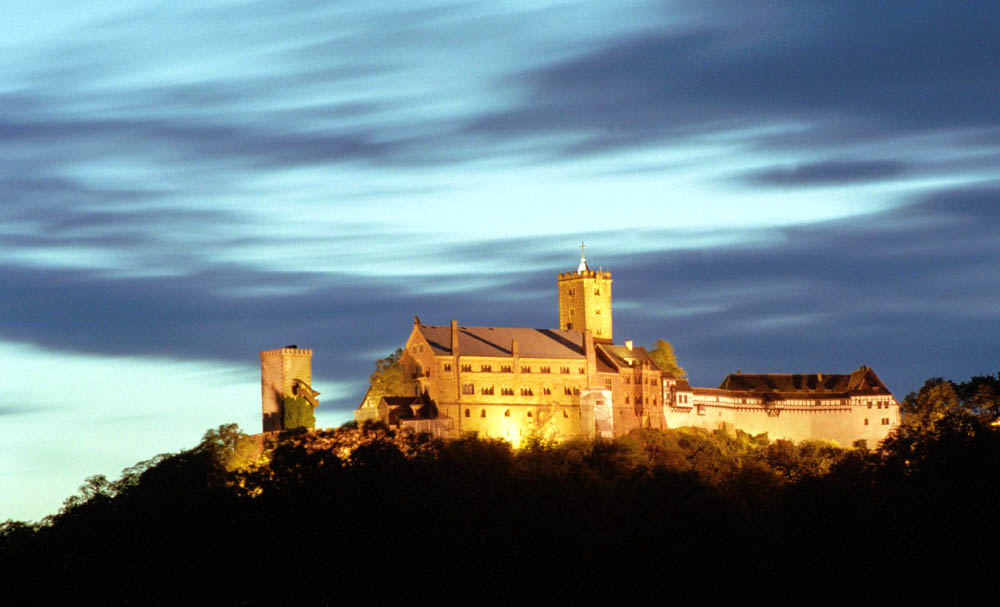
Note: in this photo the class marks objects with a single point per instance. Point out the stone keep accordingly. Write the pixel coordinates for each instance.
(281, 372)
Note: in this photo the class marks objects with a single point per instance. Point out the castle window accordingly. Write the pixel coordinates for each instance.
(597, 311)
(564, 370)
(701, 411)
(485, 368)
(507, 391)
(527, 392)
(467, 413)
(628, 380)
(885, 421)
(487, 390)
(869, 405)
(582, 370)
(466, 368)
(421, 347)
(569, 325)
(576, 391)
(866, 421)
(572, 292)
(626, 399)
(525, 369)
(506, 413)
(529, 413)
(546, 370)
(547, 391)
(468, 389)
(568, 391)
(447, 366)
(572, 312)
(607, 383)
(505, 369)
(482, 413)
(598, 330)
(565, 413)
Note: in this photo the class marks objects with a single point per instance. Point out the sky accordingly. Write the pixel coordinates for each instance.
(776, 186)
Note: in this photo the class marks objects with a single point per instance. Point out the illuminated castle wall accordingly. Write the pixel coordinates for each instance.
(514, 383)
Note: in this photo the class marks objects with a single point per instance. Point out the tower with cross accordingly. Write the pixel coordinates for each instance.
(585, 300)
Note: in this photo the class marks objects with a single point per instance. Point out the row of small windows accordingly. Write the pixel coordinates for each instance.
(509, 369)
(482, 413)
(638, 381)
(509, 391)
(639, 400)
(885, 421)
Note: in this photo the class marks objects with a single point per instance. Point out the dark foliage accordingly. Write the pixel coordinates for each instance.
(364, 515)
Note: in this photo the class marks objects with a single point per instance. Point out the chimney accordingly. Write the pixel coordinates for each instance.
(628, 344)
(454, 338)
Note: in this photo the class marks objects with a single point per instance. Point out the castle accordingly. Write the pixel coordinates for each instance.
(516, 383)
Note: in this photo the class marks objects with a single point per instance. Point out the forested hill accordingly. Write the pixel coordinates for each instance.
(364, 515)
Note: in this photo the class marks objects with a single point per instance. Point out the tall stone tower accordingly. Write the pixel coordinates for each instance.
(282, 373)
(585, 300)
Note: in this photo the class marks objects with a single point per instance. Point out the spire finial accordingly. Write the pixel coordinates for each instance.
(583, 260)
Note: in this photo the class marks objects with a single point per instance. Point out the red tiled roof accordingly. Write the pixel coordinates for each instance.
(862, 381)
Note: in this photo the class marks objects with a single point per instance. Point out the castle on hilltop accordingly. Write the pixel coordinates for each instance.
(575, 382)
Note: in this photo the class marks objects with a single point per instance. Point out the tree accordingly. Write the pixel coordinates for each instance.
(297, 413)
(935, 399)
(664, 357)
(387, 380)
(981, 396)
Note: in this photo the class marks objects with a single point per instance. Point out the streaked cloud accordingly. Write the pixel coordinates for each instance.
(806, 187)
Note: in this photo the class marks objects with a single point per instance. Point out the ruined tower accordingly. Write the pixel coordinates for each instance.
(283, 372)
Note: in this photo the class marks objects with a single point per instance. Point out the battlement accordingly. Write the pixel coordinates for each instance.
(585, 274)
(287, 351)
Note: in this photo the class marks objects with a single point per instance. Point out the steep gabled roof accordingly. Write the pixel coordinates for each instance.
(620, 356)
(862, 381)
(496, 341)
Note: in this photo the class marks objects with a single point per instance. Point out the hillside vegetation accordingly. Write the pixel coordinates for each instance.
(363, 514)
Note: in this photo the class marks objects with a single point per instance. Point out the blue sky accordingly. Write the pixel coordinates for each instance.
(776, 186)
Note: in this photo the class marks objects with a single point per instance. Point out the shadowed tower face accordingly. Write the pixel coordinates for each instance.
(585, 300)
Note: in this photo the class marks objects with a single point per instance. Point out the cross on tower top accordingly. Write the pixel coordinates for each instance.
(583, 260)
